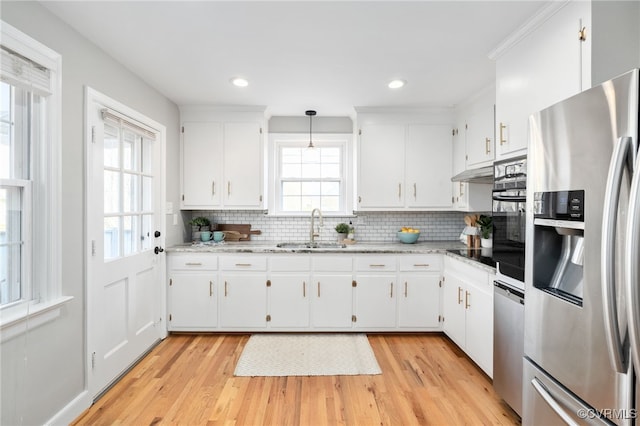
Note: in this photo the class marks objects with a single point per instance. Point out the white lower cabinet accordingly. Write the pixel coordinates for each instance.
(375, 292)
(468, 310)
(243, 292)
(332, 292)
(304, 292)
(192, 293)
(288, 292)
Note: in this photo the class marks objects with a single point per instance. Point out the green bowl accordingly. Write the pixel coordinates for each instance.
(408, 237)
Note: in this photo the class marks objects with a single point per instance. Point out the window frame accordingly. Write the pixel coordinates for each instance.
(44, 297)
(277, 141)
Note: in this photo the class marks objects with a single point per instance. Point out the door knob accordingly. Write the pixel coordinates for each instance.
(157, 234)
(158, 250)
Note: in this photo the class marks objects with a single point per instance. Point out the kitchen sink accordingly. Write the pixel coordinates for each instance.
(314, 245)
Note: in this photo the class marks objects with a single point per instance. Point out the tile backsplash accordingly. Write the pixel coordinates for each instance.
(369, 226)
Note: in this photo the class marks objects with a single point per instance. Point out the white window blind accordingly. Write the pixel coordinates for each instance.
(22, 72)
(121, 120)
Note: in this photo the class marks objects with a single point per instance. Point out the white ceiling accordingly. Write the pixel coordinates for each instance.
(298, 55)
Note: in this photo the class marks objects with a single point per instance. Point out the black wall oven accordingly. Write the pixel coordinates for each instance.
(509, 204)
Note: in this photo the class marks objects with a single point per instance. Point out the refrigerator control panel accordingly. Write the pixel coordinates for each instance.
(559, 205)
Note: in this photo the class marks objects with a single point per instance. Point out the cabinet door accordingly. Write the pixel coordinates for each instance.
(243, 300)
(479, 137)
(453, 308)
(545, 67)
(381, 166)
(243, 161)
(289, 301)
(429, 166)
(419, 300)
(192, 301)
(332, 301)
(376, 301)
(202, 184)
(479, 327)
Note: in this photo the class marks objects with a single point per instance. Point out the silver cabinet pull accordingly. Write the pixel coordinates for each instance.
(193, 264)
(210, 288)
(377, 265)
(229, 188)
(459, 295)
(213, 187)
(423, 265)
(391, 291)
(405, 289)
(318, 288)
(487, 146)
(399, 190)
(467, 305)
(243, 264)
(304, 289)
(415, 190)
(225, 289)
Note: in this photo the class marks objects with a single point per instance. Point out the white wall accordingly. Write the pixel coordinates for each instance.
(44, 370)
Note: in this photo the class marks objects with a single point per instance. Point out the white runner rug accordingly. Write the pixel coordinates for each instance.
(307, 355)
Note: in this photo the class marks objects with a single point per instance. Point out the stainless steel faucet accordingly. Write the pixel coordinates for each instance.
(312, 235)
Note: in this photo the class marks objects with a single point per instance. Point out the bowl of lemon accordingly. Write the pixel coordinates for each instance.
(408, 235)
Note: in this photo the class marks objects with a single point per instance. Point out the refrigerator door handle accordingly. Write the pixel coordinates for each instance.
(551, 402)
(612, 195)
(632, 253)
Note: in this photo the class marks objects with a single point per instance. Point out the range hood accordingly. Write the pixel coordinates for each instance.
(480, 175)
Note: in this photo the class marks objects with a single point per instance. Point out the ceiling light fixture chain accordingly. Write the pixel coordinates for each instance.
(310, 113)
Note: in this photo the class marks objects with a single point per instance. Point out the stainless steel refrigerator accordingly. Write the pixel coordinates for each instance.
(582, 259)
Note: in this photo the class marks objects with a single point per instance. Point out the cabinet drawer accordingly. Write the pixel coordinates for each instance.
(192, 261)
(422, 262)
(290, 262)
(329, 263)
(376, 263)
(243, 263)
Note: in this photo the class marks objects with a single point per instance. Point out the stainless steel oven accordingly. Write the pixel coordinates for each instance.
(509, 207)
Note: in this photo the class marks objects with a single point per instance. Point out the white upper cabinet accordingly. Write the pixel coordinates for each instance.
(562, 53)
(222, 159)
(479, 136)
(428, 166)
(381, 166)
(544, 67)
(403, 163)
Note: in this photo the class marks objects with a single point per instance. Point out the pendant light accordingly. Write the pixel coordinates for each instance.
(310, 113)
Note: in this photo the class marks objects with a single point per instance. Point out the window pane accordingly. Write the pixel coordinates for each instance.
(131, 201)
(291, 170)
(330, 188)
(309, 203)
(111, 237)
(131, 150)
(10, 244)
(291, 188)
(147, 156)
(6, 125)
(111, 146)
(310, 188)
(291, 155)
(291, 204)
(147, 193)
(111, 192)
(130, 233)
(330, 155)
(330, 171)
(330, 204)
(311, 156)
(311, 171)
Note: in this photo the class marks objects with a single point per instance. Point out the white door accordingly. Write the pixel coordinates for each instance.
(125, 236)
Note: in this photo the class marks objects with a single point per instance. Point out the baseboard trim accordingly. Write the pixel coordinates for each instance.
(71, 411)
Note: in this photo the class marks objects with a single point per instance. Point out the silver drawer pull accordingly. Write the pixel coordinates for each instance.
(243, 264)
(424, 265)
(377, 265)
(193, 264)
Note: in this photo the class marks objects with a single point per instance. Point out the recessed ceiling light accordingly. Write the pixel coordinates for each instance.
(240, 82)
(396, 84)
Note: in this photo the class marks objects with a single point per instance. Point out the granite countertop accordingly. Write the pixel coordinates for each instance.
(455, 249)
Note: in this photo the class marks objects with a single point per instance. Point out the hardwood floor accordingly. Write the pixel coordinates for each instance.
(188, 379)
